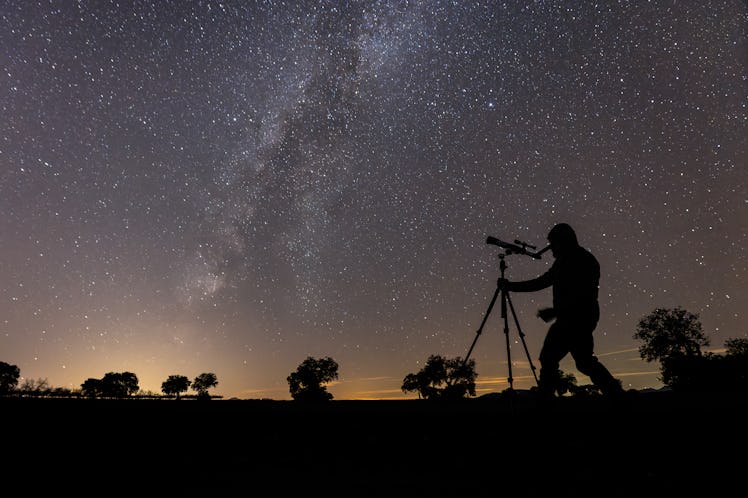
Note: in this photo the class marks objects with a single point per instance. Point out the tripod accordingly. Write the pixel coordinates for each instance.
(505, 299)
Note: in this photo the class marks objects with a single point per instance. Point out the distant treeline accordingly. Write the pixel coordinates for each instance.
(673, 337)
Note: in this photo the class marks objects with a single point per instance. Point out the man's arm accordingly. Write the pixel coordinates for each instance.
(543, 281)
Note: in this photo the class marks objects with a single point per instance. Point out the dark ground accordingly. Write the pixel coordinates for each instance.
(659, 444)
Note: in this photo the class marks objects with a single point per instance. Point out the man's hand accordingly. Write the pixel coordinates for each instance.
(547, 314)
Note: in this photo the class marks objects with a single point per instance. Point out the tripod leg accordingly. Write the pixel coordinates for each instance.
(522, 337)
(504, 299)
(480, 329)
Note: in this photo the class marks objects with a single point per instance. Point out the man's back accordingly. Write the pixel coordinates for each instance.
(576, 279)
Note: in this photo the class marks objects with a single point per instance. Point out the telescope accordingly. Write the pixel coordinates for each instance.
(518, 247)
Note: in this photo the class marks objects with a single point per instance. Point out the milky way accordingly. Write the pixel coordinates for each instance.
(231, 187)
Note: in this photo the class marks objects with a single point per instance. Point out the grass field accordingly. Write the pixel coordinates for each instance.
(659, 444)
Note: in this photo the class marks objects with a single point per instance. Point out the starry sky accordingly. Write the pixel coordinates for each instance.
(231, 187)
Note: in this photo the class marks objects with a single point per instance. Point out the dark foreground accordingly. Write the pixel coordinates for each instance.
(658, 444)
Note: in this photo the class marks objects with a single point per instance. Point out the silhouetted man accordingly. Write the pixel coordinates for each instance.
(574, 275)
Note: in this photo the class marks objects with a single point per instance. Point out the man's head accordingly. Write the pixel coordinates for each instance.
(562, 239)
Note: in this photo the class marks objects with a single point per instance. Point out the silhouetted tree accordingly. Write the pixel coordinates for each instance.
(307, 382)
(442, 378)
(567, 383)
(736, 363)
(737, 347)
(417, 383)
(673, 337)
(9, 375)
(175, 384)
(715, 372)
(202, 383)
(92, 388)
(119, 385)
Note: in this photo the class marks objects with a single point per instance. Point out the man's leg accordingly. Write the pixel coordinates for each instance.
(554, 348)
(588, 364)
(601, 377)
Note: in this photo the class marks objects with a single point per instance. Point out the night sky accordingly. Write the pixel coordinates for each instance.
(231, 187)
